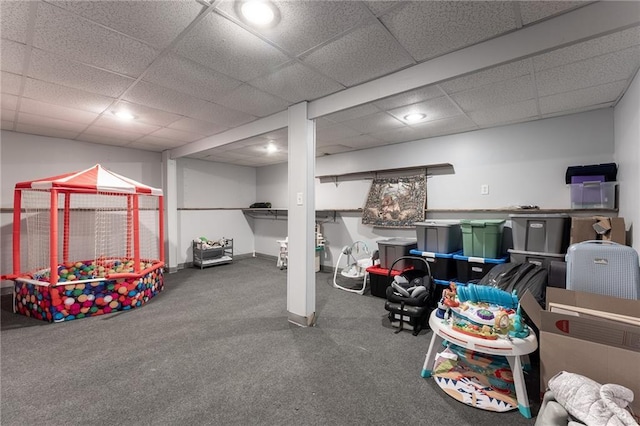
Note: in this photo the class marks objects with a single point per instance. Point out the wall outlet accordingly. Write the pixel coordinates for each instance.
(484, 189)
(299, 198)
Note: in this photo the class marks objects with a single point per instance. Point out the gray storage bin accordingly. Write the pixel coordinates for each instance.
(540, 233)
(392, 249)
(439, 236)
(540, 259)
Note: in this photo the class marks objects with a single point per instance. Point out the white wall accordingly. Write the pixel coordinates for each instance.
(523, 164)
(206, 189)
(627, 155)
(26, 157)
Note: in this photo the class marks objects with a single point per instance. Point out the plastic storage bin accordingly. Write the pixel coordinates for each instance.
(541, 233)
(442, 265)
(474, 268)
(540, 259)
(439, 236)
(482, 238)
(593, 195)
(379, 280)
(392, 249)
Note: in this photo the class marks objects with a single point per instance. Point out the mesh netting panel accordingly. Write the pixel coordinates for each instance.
(99, 229)
(35, 216)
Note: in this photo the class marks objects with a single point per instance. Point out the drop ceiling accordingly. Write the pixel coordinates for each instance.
(191, 70)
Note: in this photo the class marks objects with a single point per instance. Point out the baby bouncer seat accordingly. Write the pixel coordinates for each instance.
(411, 295)
(353, 275)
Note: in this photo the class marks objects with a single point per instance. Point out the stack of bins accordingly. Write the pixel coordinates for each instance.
(390, 250)
(481, 248)
(541, 239)
(438, 242)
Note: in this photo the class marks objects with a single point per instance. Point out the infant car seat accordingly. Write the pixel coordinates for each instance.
(410, 297)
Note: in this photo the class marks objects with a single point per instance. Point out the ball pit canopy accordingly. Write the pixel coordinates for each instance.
(96, 178)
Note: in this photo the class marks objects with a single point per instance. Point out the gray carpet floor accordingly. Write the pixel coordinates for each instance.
(215, 348)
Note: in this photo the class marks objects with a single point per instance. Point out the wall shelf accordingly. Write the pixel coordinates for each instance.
(428, 169)
(283, 213)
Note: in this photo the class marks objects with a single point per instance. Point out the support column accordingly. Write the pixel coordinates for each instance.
(301, 278)
(170, 195)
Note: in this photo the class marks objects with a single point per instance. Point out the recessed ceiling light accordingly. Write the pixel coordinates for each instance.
(257, 12)
(271, 148)
(124, 115)
(414, 117)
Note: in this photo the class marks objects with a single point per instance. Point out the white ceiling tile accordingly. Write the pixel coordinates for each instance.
(148, 147)
(379, 7)
(532, 11)
(13, 19)
(352, 113)
(111, 121)
(495, 95)
(57, 111)
(146, 114)
(581, 98)
(364, 54)
(588, 49)
(335, 133)
(434, 109)
(333, 149)
(11, 56)
(158, 141)
(10, 83)
(103, 140)
(431, 28)
(216, 42)
(296, 82)
(505, 114)
(67, 96)
(615, 66)
(110, 132)
(192, 78)
(52, 68)
(408, 98)
(253, 101)
(45, 131)
(360, 141)
(323, 123)
(197, 126)
(277, 135)
(6, 125)
(401, 134)
(179, 103)
(52, 123)
(9, 102)
(66, 34)
(489, 76)
(155, 22)
(446, 126)
(321, 20)
(8, 114)
(578, 110)
(374, 123)
(178, 135)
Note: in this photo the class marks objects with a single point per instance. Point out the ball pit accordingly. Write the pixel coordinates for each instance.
(77, 299)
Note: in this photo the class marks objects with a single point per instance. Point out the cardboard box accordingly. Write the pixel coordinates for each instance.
(599, 346)
(598, 228)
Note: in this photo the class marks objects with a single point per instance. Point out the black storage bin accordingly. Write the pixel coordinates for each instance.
(608, 170)
(474, 268)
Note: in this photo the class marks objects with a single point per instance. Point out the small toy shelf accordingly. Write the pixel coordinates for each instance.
(204, 256)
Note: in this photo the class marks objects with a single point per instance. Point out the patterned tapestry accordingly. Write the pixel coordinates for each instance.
(396, 202)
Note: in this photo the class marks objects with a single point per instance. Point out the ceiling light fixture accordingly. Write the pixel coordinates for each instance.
(257, 12)
(414, 117)
(124, 115)
(271, 148)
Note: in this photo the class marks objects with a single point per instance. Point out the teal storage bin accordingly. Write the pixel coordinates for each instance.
(482, 238)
